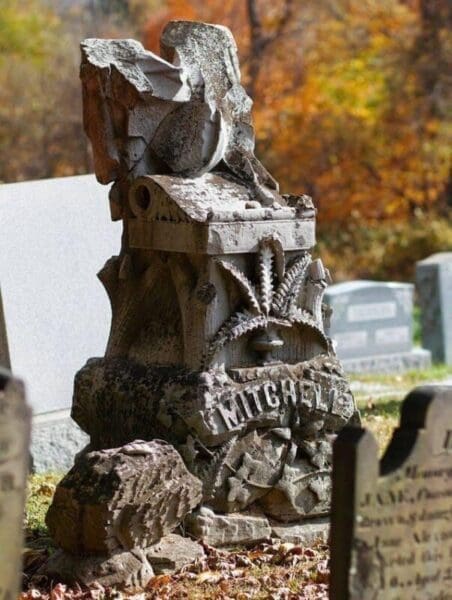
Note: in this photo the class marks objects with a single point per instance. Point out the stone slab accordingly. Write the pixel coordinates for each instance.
(417, 360)
(305, 533)
(227, 529)
(55, 441)
(391, 528)
(56, 235)
(370, 318)
(434, 287)
(14, 438)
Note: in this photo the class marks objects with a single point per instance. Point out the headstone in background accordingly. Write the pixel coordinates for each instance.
(57, 314)
(4, 350)
(372, 325)
(434, 288)
(14, 439)
(391, 529)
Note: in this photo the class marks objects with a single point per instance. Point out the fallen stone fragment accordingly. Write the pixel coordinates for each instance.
(127, 569)
(227, 530)
(173, 552)
(123, 498)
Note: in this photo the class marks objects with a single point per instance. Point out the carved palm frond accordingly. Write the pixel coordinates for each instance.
(285, 297)
(278, 255)
(245, 285)
(236, 326)
(265, 271)
(303, 317)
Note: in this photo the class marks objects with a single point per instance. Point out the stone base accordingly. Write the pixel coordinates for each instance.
(126, 569)
(417, 359)
(305, 533)
(236, 529)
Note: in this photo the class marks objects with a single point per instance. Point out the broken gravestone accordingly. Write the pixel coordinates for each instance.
(14, 440)
(217, 343)
(392, 520)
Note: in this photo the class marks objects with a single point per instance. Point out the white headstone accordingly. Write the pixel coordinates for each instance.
(55, 234)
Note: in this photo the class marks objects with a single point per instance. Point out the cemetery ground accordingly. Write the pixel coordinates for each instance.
(266, 571)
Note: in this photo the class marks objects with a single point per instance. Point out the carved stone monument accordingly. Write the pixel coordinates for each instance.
(14, 440)
(217, 343)
(392, 520)
(4, 349)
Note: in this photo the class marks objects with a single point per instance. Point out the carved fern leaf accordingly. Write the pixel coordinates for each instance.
(236, 326)
(278, 255)
(244, 284)
(286, 295)
(265, 270)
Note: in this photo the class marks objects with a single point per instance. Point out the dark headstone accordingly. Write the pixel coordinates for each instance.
(14, 440)
(4, 350)
(392, 520)
(372, 326)
(434, 287)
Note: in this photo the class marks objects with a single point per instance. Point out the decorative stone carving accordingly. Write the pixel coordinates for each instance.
(217, 343)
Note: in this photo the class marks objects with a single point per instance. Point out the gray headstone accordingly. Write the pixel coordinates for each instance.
(392, 520)
(434, 287)
(56, 234)
(372, 325)
(14, 439)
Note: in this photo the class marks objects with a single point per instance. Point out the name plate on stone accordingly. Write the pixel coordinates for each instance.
(392, 520)
(370, 318)
(14, 439)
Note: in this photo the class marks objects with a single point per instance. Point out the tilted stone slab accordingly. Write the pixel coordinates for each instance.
(392, 520)
(123, 498)
(14, 438)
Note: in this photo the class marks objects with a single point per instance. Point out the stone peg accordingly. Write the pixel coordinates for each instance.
(124, 498)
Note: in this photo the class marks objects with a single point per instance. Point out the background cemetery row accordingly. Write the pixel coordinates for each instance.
(57, 313)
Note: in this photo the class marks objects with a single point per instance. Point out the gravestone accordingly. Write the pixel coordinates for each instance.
(217, 344)
(56, 312)
(392, 519)
(434, 288)
(14, 439)
(372, 326)
(4, 349)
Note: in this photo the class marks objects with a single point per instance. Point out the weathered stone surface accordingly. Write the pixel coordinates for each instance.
(14, 458)
(304, 533)
(123, 498)
(227, 530)
(434, 288)
(173, 552)
(391, 520)
(122, 568)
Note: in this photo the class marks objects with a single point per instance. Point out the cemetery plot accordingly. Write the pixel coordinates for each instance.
(14, 439)
(392, 520)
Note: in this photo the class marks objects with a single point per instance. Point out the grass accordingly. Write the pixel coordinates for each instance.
(406, 380)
